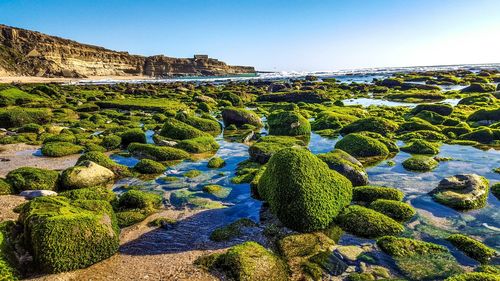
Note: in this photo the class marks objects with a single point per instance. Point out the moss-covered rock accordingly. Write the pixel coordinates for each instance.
(417, 124)
(148, 166)
(396, 210)
(84, 175)
(478, 88)
(133, 135)
(420, 260)
(5, 187)
(462, 192)
(135, 199)
(361, 146)
(216, 163)
(440, 108)
(16, 116)
(474, 276)
(250, 261)
(368, 223)
(483, 135)
(178, 130)
(231, 230)
(192, 173)
(431, 117)
(239, 117)
(371, 193)
(423, 134)
(199, 144)
(8, 270)
(331, 120)
(472, 248)
(157, 153)
(419, 146)
(288, 123)
(93, 193)
(29, 178)
(303, 192)
(207, 125)
(111, 142)
(304, 244)
(265, 147)
(217, 190)
(485, 115)
(371, 124)
(495, 189)
(59, 149)
(420, 163)
(66, 235)
(482, 99)
(346, 165)
(103, 160)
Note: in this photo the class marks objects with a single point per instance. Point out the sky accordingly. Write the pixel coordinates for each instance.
(288, 35)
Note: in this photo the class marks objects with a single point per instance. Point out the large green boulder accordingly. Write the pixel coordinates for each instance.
(29, 178)
(65, 235)
(485, 115)
(288, 123)
(370, 193)
(199, 144)
(240, 117)
(103, 160)
(421, 147)
(178, 130)
(203, 124)
(462, 192)
(346, 165)
(372, 124)
(397, 210)
(302, 191)
(59, 149)
(84, 175)
(420, 260)
(361, 146)
(367, 223)
(250, 261)
(420, 163)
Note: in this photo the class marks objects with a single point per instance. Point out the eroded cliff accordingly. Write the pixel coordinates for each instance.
(30, 53)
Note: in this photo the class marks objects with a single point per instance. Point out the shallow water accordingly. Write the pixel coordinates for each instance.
(432, 222)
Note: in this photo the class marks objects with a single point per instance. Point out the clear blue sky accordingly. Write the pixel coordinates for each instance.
(277, 35)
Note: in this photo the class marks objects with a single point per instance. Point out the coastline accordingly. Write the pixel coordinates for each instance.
(35, 79)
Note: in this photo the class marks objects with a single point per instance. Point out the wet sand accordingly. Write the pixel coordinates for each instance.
(21, 155)
(7, 204)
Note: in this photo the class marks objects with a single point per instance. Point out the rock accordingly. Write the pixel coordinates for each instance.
(276, 87)
(307, 97)
(462, 192)
(478, 88)
(288, 123)
(30, 194)
(239, 117)
(349, 253)
(86, 174)
(346, 165)
(296, 177)
(265, 147)
(330, 263)
(65, 235)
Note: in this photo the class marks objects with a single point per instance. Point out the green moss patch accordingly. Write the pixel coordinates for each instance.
(371, 193)
(396, 210)
(367, 223)
(472, 247)
(420, 163)
(28, 178)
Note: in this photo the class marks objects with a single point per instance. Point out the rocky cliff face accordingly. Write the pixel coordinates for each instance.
(29, 53)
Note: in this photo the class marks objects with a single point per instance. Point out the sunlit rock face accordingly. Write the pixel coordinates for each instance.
(30, 53)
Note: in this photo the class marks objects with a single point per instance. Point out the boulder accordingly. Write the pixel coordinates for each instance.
(30, 194)
(302, 96)
(462, 192)
(64, 235)
(86, 174)
(288, 123)
(346, 165)
(302, 191)
(240, 117)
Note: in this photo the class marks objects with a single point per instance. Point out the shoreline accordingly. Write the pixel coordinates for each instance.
(34, 79)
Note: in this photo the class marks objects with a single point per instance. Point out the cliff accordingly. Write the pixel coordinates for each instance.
(30, 53)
